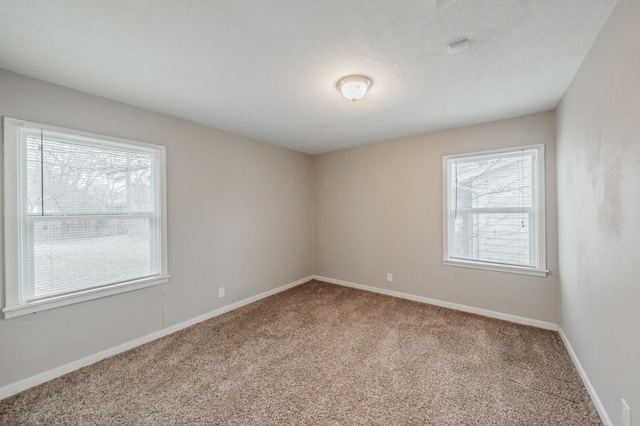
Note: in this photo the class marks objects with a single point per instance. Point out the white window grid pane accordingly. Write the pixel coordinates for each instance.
(502, 238)
(89, 216)
(69, 255)
(492, 208)
(70, 178)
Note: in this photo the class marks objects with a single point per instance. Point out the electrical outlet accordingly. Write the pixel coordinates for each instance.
(390, 277)
(626, 413)
(221, 292)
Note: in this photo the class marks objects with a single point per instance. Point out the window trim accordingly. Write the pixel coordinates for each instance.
(14, 307)
(541, 269)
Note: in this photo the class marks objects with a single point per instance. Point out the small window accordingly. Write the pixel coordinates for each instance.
(494, 210)
(84, 216)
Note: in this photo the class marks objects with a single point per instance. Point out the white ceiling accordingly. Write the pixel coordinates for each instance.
(268, 69)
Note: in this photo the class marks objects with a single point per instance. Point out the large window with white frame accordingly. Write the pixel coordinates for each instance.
(494, 210)
(85, 216)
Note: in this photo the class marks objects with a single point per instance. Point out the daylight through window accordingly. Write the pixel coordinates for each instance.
(89, 214)
(495, 209)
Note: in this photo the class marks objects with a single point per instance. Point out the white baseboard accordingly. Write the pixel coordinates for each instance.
(585, 379)
(456, 306)
(21, 385)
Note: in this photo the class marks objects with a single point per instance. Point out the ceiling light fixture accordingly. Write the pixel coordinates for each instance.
(354, 87)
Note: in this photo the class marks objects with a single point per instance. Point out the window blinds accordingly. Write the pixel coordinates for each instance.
(89, 214)
(492, 208)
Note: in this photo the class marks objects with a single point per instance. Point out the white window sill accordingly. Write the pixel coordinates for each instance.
(69, 299)
(497, 268)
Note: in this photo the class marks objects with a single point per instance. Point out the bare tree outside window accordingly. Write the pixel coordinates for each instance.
(492, 207)
(87, 207)
(85, 216)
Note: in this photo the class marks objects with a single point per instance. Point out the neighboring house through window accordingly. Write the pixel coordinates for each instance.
(494, 210)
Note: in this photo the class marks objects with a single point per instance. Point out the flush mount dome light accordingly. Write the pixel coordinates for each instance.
(354, 87)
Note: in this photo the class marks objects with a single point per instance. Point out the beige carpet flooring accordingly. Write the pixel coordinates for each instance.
(327, 355)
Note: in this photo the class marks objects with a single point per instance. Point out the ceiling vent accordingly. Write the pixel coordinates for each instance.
(459, 46)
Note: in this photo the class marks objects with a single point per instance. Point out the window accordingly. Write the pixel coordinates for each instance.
(494, 210)
(84, 216)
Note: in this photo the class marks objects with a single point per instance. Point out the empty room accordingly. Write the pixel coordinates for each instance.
(320, 212)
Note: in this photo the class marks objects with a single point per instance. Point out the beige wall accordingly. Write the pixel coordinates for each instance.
(239, 216)
(378, 209)
(599, 206)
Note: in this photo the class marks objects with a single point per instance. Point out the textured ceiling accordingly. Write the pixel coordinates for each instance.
(268, 69)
